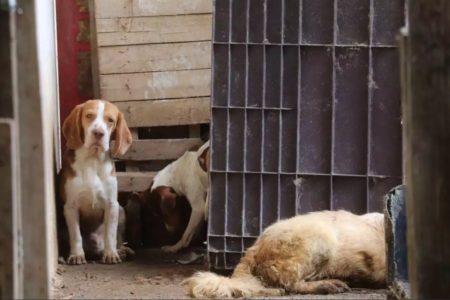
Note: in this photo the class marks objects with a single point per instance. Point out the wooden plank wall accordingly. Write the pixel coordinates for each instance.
(153, 60)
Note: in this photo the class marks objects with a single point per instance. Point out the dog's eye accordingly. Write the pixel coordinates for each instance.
(89, 116)
(111, 120)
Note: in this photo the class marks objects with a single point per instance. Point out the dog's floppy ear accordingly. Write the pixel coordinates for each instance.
(168, 199)
(72, 128)
(123, 136)
(144, 196)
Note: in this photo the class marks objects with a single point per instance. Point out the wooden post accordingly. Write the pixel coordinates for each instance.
(11, 266)
(27, 118)
(427, 119)
(34, 86)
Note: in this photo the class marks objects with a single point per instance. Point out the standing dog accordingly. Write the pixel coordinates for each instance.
(306, 254)
(87, 180)
(185, 177)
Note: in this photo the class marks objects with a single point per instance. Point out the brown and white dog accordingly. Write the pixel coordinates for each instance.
(307, 254)
(87, 180)
(186, 177)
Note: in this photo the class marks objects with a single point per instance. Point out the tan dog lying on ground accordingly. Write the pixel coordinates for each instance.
(88, 183)
(306, 254)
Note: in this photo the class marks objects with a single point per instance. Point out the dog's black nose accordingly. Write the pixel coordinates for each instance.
(98, 134)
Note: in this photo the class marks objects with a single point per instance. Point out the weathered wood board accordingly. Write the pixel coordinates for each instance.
(153, 60)
(141, 8)
(155, 57)
(156, 85)
(159, 149)
(134, 181)
(149, 30)
(166, 112)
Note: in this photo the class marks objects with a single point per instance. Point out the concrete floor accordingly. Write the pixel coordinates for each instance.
(152, 275)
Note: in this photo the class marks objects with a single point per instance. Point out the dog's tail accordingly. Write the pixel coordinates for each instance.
(241, 284)
(202, 148)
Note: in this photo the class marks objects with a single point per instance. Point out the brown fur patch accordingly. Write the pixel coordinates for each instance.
(66, 172)
(113, 170)
(368, 260)
(194, 148)
(72, 128)
(203, 160)
(154, 232)
(166, 199)
(275, 263)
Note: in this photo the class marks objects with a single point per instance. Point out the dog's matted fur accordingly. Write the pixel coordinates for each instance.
(307, 254)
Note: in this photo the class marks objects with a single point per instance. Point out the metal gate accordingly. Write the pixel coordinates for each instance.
(305, 113)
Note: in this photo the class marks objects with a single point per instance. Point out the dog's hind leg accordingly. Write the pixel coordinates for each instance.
(294, 263)
(291, 273)
(125, 253)
(121, 227)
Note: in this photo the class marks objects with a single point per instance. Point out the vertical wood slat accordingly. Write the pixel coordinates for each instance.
(9, 267)
(9, 239)
(31, 150)
(35, 96)
(426, 115)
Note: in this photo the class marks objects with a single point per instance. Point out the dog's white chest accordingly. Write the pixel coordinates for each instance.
(93, 184)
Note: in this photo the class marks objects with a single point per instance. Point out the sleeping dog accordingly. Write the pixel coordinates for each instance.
(186, 177)
(313, 253)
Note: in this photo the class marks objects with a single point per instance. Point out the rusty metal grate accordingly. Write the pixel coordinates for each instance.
(305, 91)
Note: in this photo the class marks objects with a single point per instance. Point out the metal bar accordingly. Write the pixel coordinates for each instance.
(287, 51)
(369, 102)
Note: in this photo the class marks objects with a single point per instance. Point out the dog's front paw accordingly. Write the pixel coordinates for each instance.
(76, 259)
(170, 249)
(111, 257)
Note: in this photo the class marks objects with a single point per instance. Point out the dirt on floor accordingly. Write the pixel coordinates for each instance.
(151, 275)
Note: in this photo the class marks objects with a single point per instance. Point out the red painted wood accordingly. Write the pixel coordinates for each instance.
(68, 16)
